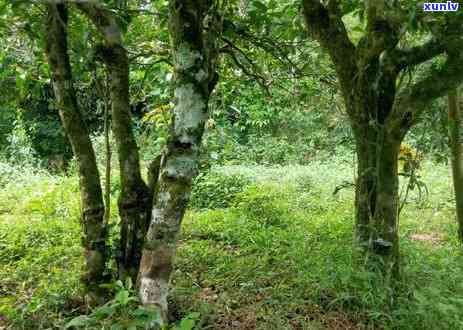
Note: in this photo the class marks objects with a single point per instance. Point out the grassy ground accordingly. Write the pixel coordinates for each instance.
(278, 256)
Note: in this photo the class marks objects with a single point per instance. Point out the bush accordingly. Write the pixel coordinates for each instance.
(7, 172)
(265, 203)
(19, 150)
(214, 190)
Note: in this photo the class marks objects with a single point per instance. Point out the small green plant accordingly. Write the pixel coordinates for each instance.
(216, 190)
(19, 150)
(121, 312)
(188, 322)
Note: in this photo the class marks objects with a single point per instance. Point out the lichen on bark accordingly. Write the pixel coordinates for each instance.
(194, 78)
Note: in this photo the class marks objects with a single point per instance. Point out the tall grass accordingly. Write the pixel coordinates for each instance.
(277, 255)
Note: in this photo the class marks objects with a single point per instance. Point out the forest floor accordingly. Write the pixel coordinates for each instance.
(279, 256)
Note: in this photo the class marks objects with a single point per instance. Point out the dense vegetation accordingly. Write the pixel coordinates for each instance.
(272, 147)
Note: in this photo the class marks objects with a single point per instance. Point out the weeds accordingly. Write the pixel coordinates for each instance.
(277, 255)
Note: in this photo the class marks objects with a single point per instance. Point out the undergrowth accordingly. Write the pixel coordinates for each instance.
(271, 251)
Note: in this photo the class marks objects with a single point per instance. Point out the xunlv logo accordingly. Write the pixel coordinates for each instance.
(440, 6)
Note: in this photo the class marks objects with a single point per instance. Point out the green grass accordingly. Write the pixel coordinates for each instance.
(278, 257)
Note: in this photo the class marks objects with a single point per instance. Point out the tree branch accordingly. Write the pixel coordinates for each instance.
(411, 101)
(260, 80)
(382, 30)
(404, 58)
(104, 21)
(326, 26)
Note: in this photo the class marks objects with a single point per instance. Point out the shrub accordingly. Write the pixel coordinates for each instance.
(214, 190)
(7, 172)
(265, 203)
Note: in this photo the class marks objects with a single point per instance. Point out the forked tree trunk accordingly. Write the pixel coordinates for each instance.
(194, 78)
(135, 200)
(94, 237)
(456, 156)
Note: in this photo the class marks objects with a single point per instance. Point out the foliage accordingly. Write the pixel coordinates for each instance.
(19, 150)
(43, 127)
(155, 126)
(39, 248)
(266, 204)
(213, 190)
(118, 313)
(233, 266)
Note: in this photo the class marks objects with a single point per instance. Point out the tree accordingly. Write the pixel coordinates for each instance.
(194, 29)
(457, 161)
(135, 198)
(94, 236)
(380, 109)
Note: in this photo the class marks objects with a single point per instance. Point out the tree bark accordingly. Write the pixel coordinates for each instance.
(385, 240)
(107, 129)
(377, 197)
(94, 237)
(456, 156)
(365, 192)
(135, 200)
(195, 55)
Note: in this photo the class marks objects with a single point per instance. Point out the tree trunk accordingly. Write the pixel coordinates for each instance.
(456, 156)
(385, 241)
(194, 55)
(377, 199)
(135, 200)
(94, 238)
(365, 196)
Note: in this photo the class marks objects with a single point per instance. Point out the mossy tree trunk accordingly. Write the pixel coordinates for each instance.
(456, 155)
(135, 200)
(379, 114)
(94, 236)
(377, 202)
(194, 27)
(376, 195)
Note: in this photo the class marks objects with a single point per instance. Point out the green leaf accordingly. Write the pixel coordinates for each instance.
(189, 321)
(117, 326)
(122, 297)
(103, 311)
(187, 324)
(79, 321)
